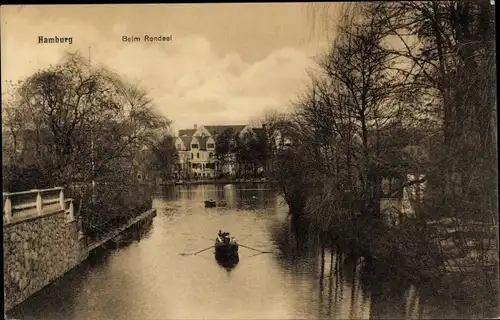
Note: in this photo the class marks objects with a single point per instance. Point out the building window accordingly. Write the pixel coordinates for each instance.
(197, 156)
(179, 146)
(195, 165)
(194, 146)
(192, 155)
(210, 155)
(210, 145)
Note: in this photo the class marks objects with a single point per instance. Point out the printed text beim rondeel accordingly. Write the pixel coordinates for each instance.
(147, 38)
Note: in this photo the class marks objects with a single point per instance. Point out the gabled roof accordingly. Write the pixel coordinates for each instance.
(203, 142)
(187, 142)
(217, 130)
(187, 132)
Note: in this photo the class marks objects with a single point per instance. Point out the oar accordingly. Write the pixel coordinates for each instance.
(258, 253)
(187, 254)
(254, 249)
(236, 239)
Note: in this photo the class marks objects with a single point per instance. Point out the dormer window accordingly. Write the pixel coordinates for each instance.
(194, 146)
(179, 147)
(210, 145)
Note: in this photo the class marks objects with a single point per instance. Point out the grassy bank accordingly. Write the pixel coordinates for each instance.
(113, 205)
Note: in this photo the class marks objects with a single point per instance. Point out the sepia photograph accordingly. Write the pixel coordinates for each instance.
(306, 160)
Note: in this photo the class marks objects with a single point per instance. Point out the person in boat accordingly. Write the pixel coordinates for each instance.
(224, 236)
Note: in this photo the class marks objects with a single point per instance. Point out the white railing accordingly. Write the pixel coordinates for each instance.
(36, 202)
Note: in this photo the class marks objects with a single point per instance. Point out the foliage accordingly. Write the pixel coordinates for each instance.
(251, 153)
(248, 152)
(404, 94)
(161, 157)
(73, 125)
(18, 178)
(224, 148)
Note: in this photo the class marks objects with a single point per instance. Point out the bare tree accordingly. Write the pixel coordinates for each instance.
(449, 58)
(86, 125)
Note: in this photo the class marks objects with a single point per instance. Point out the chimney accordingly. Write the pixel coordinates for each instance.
(195, 126)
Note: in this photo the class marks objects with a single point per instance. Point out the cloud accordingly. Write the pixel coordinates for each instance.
(225, 89)
(189, 81)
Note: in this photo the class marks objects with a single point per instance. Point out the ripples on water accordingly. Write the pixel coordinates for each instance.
(148, 279)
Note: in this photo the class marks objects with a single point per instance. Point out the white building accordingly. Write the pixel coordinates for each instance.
(196, 151)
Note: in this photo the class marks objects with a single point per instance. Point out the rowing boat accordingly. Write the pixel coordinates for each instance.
(210, 203)
(225, 247)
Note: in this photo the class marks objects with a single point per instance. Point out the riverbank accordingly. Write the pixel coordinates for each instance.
(112, 235)
(44, 248)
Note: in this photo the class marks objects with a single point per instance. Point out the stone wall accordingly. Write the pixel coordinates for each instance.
(37, 251)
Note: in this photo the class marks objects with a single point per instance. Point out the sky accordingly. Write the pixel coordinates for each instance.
(226, 63)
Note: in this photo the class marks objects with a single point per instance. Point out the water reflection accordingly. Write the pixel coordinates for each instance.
(247, 196)
(144, 277)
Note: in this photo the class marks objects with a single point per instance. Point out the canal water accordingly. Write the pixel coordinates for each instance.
(147, 277)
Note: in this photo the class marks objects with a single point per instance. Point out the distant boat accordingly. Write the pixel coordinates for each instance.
(222, 203)
(210, 203)
(225, 246)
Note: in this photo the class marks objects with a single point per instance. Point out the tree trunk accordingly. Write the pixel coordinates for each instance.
(322, 256)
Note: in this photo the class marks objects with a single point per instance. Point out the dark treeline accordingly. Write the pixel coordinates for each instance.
(87, 129)
(247, 153)
(391, 153)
